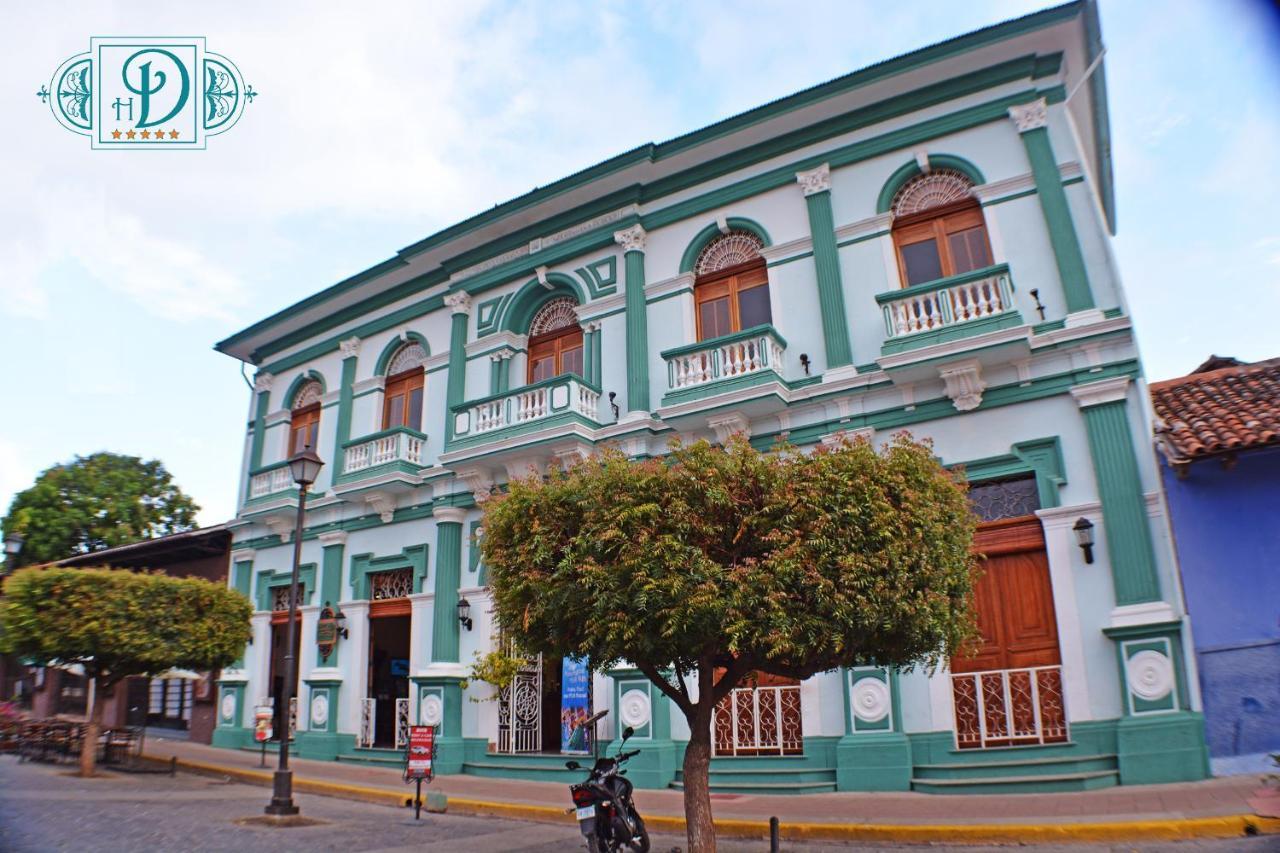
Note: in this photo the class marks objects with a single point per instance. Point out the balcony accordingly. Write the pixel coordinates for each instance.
(750, 357)
(271, 480)
(388, 455)
(551, 402)
(948, 309)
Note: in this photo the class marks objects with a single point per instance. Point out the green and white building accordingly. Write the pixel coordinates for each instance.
(921, 245)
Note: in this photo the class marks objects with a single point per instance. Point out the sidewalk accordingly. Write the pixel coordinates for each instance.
(1214, 808)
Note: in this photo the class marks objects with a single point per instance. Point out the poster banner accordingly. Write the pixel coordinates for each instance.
(420, 752)
(575, 706)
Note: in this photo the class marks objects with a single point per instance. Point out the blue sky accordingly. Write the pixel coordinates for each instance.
(380, 123)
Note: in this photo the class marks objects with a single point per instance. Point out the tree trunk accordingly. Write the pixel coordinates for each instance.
(89, 747)
(697, 787)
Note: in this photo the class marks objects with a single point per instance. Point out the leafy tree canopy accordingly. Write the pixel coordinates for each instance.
(117, 623)
(715, 563)
(96, 502)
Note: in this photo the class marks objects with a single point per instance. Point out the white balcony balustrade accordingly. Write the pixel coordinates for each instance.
(754, 350)
(400, 444)
(270, 481)
(541, 401)
(947, 302)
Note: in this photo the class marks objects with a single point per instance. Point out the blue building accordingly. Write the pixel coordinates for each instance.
(1218, 432)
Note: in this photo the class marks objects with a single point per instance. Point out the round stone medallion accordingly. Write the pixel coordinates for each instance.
(635, 708)
(320, 710)
(1150, 675)
(432, 710)
(870, 699)
(228, 705)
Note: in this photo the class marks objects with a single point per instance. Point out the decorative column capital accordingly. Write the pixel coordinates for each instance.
(449, 515)
(1103, 391)
(1030, 116)
(262, 382)
(631, 239)
(458, 303)
(243, 555)
(349, 347)
(815, 181)
(333, 537)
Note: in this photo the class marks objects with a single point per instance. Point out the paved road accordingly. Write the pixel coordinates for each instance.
(44, 808)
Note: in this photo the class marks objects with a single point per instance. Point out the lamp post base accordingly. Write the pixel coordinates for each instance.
(281, 803)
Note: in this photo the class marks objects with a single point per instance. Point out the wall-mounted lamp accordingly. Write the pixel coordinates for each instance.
(1084, 537)
(340, 619)
(1035, 294)
(12, 546)
(464, 613)
(612, 396)
(804, 362)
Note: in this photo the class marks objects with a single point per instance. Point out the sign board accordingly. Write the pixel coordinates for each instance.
(575, 706)
(262, 717)
(420, 752)
(326, 632)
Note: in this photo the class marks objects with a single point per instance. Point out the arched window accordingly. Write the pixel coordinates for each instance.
(938, 228)
(304, 417)
(731, 288)
(555, 340)
(402, 403)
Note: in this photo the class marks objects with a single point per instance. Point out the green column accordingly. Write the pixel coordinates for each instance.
(456, 384)
(346, 397)
(816, 184)
(334, 546)
(444, 622)
(504, 373)
(632, 241)
(588, 354)
(1032, 122)
(495, 375)
(1124, 509)
(263, 386)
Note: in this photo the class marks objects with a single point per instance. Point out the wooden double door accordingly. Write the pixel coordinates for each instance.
(1009, 691)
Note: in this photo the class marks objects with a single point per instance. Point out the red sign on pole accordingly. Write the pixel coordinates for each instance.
(421, 751)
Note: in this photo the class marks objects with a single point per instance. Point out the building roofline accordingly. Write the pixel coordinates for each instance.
(158, 544)
(654, 152)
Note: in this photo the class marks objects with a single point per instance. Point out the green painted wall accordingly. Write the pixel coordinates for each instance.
(637, 334)
(1062, 232)
(444, 624)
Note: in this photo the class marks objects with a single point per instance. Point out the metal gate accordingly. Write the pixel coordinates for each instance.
(520, 711)
(759, 721)
(368, 713)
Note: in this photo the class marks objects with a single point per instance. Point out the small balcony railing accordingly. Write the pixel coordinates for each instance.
(754, 350)
(1009, 707)
(270, 480)
(400, 444)
(976, 295)
(540, 401)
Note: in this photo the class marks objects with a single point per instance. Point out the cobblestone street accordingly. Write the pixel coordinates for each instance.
(44, 808)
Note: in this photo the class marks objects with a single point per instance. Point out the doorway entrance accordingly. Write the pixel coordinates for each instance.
(1009, 693)
(389, 674)
(760, 718)
(529, 712)
(280, 716)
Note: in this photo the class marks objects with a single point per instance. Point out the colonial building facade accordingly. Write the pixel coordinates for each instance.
(922, 245)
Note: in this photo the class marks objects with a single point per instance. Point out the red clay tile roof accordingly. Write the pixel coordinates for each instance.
(1219, 411)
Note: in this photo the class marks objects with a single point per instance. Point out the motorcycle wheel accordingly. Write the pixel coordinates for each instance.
(640, 841)
(595, 845)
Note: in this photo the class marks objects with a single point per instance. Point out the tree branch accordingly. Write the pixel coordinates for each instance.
(682, 701)
(733, 674)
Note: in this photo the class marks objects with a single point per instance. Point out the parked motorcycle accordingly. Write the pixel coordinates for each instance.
(603, 805)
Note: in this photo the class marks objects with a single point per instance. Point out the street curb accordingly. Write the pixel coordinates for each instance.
(1173, 829)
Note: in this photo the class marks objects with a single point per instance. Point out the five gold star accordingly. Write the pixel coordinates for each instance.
(173, 134)
(115, 134)
(131, 134)
(146, 134)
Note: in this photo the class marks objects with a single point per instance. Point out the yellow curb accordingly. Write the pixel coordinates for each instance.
(1172, 829)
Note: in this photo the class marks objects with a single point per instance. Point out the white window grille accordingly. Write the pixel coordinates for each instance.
(932, 189)
(309, 393)
(736, 247)
(409, 356)
(555, 315)
(397, 583)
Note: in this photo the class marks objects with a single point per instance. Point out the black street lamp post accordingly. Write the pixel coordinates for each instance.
(12, 545)
(304, 467)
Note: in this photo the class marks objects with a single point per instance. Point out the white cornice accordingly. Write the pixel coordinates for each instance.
(436, 362)
(668, 285)
(1061, 336)
(791, 248)
(605, 305)
(864, 227)
(1102, 391)
(279, 416)
(449, 514)
(498, 340)
(333, 537)
(243, 555)
(373, 382)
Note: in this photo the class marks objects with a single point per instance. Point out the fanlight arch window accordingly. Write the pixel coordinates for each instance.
(938, 228)
(731, 285)
(555, 340)
(304, 417)
(402, 400)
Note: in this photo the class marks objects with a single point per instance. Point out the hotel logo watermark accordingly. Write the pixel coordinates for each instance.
(147, 93)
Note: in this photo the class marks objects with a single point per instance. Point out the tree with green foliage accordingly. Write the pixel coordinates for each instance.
(96, 502)
(711, 564)
(116, 623)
